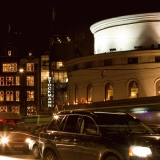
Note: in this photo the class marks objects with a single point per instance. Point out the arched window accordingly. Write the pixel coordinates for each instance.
(108, 91)
(76, 94)
(89, 93)
(158, 88)
(133, 89)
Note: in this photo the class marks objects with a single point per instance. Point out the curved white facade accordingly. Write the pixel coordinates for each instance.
(121, 67)
(126, 32)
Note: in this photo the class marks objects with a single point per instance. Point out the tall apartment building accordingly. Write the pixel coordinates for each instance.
(19, 82)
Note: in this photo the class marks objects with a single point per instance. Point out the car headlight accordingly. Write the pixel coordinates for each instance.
(28, 140)
(140, 151)
(4, 140)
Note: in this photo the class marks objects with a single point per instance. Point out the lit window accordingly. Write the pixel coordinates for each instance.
(89, 93)
(30, 95)
(133, 89)
(17, 80)
(17, 95)
(15, 109)
(9, 53)
(9, 67)
(1, 96)
(30, 67)
(31, 111)
(108, 91)
(30, 80)
(1, 81)
(9, 95)
(158, 88)
(3, 108)
(9, 81)
(76, 94)
(57, 65)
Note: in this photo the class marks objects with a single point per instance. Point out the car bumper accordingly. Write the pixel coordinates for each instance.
(14, 147)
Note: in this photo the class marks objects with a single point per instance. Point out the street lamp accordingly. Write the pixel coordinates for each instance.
(23, 92)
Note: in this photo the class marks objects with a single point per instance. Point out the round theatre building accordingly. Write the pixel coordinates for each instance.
(125, 67)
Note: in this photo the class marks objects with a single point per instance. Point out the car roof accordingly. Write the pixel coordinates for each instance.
(88, 112)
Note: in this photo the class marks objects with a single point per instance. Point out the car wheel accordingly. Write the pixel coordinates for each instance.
(50, 156)
(35, 152)
(112, 157)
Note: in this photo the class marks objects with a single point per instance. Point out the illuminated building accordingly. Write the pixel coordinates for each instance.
(124, 70)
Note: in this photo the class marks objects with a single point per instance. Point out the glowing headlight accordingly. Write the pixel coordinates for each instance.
(28, 140)
(140, 151)
(4, 140)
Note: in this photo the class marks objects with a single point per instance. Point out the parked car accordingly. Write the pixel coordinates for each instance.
(98, 135)
(14, 135)
(34, 138)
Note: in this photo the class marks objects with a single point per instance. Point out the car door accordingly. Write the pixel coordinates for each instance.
(86, 141)
(65, 138)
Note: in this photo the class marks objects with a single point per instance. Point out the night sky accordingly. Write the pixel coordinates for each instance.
(31, 20)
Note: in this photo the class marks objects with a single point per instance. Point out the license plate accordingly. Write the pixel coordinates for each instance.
(18, 146)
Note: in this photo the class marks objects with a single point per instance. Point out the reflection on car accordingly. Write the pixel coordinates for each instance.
(33, 144)
(14, 134)
(155, 127)
(98, 135)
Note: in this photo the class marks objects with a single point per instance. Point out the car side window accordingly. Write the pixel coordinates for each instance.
(54, 124)
(88, 126)
(72, 124)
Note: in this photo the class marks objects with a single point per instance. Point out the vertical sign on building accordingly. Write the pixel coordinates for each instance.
(50, 92)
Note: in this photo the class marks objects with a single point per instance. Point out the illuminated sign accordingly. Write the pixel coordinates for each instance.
(50, 92)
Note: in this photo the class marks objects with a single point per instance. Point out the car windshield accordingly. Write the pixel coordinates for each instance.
(121, 123)
(12, 125)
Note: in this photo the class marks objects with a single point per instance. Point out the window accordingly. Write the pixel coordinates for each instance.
(76, 94)
(17, 95)
(9, 53)
(89, 93)
(75, 67)
(1, 81)
(17, 80)
(133, 60)
(158, 88)
(15, 109)
(30, 67)
(72, 124)
(88, 126)
(57, 65)
(133, 89)
(108, 91)
(108, 62)
(157, 59)
(30, 95)
(3, 108)
(88, 64)
(30, 80)
(9, 81)
(30, 111)
(1, 96)
(9, 67)
(9, 95)
(54, 124)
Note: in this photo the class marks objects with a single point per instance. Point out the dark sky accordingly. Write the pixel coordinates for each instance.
(31, 23)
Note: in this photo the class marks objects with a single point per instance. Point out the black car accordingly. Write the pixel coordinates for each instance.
(34, 138)
(98, 135)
